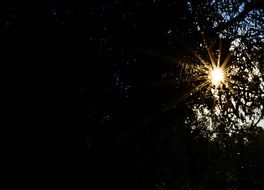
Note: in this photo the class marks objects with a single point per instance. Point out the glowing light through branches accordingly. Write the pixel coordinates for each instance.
(216, 76)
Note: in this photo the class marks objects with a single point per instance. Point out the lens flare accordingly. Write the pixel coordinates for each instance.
(216, 76)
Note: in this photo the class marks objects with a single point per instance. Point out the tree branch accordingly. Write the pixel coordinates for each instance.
(248, 8)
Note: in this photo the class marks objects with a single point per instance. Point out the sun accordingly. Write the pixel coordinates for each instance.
(216, 76)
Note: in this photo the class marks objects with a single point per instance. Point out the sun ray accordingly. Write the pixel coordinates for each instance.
(199, 58)
(211, 56)
(176, 60)
(223, 66)
(209, 52)
(196, 89)
(203, 69)
(171, 104)
(190, 49)
(173, 82)
(219, 53)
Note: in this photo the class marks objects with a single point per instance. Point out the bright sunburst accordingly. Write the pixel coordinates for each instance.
(213, 72)
(228, 82)
(225, 89)
(216, 76)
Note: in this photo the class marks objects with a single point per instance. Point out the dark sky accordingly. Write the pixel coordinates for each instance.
(82, 97)
(76, 87)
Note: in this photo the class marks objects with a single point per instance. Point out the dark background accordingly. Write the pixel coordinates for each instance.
(73, 93)
(79, 97)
